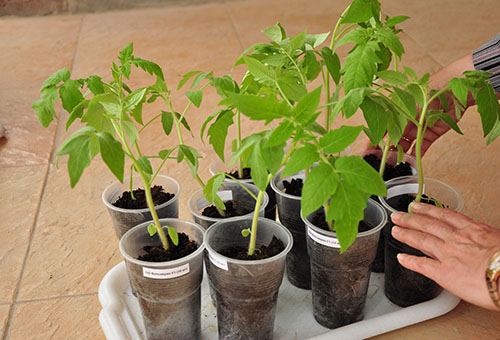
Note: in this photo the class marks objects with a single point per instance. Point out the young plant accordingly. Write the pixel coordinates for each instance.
(112, 115)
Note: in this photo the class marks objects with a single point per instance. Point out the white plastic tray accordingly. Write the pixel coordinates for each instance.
(121, 319)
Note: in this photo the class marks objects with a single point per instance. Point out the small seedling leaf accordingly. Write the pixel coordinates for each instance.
(152, 229)
(172, 233)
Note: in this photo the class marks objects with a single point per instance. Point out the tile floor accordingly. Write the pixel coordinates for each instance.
(56, 243)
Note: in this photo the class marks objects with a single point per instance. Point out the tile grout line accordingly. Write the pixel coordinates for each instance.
(37, 214)
(56, 298)
(238, 36)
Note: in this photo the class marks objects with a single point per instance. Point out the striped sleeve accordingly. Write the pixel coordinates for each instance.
(487, 58)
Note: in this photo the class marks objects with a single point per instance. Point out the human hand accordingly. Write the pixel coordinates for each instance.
(458, 249)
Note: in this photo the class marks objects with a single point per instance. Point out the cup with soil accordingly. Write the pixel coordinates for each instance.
(246, 287)
(127, 212)
(402, 286)
(217, 166)
(168, 284)
(393, 169)
(236, 198)
(288, 197)
(340, 280)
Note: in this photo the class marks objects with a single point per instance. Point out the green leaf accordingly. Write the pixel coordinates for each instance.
(167, 122)
(110, 103)
(224, 85)
(126, 53)
(390, 40)
(112, 154)
(195, 97)
(332, 63)
(385, 55)
(217, 132)
(488, 108)
(172, 233)
(314, 40)
(191, 155)
(281, 134)
(186, 77)
(494, 133)
(291, 85)
(320, 184)
(258, 167)
(44, 107)
(359, 11)
(259, 108)
(418, 94)
(212, 186)
(337, 140)
(95, 84)
(376, 119)
(460, 89)
(59, 76)
(406, 100)
(199, 78)
(260, 71)
(307, 106)
(275, 33)
(134, 99)
(78, 149)
(359, 36)
(449, 121)
(360, 66)
(352, 101)
(165, 153)
(152, 229)
(145, 165)
(346, 208)
(95, 116)
(273, 156)
(130, 130)
(70, 94)
(301, 159)
(311, 66)
(150, 67)
(391, 22)
(360, 175)
(393, 77)
(296, 43)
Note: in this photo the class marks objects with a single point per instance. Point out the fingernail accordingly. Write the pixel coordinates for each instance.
(395, 230)
(396, 216)
(414, 206)
(400, 256)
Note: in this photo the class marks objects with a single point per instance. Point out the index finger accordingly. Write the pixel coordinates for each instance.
(453, 218)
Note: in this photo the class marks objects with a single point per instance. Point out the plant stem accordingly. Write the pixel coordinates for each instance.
(238, 143)
(418, 152)
(255, 219)
(385, 153)
(330, 223)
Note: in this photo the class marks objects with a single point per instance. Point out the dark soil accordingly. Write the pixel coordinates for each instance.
(158, 254)
(294, 187)
(246, 174)
(320, 222)
(401, 202)
(391, 171)
(125, 201)
(241, 253)
(233, 208)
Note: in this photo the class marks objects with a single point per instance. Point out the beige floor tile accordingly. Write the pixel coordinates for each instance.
(447, 29)
(21, 189)
(4, 316)
(37, 47)
(27, 142)
(179, 39)
(59, 319)
(74, 244)
(481, 324)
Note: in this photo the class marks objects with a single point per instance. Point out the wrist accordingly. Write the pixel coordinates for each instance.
(492, 276)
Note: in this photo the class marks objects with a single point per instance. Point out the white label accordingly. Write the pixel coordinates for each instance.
(331, 242)
(403, 189)
(225, 195)
(164, 274)
(217, 261)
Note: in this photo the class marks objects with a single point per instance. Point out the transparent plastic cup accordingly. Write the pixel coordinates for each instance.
(228, 191)
(246, 291)
(169, 293)
(125, 219)
(403, 286)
